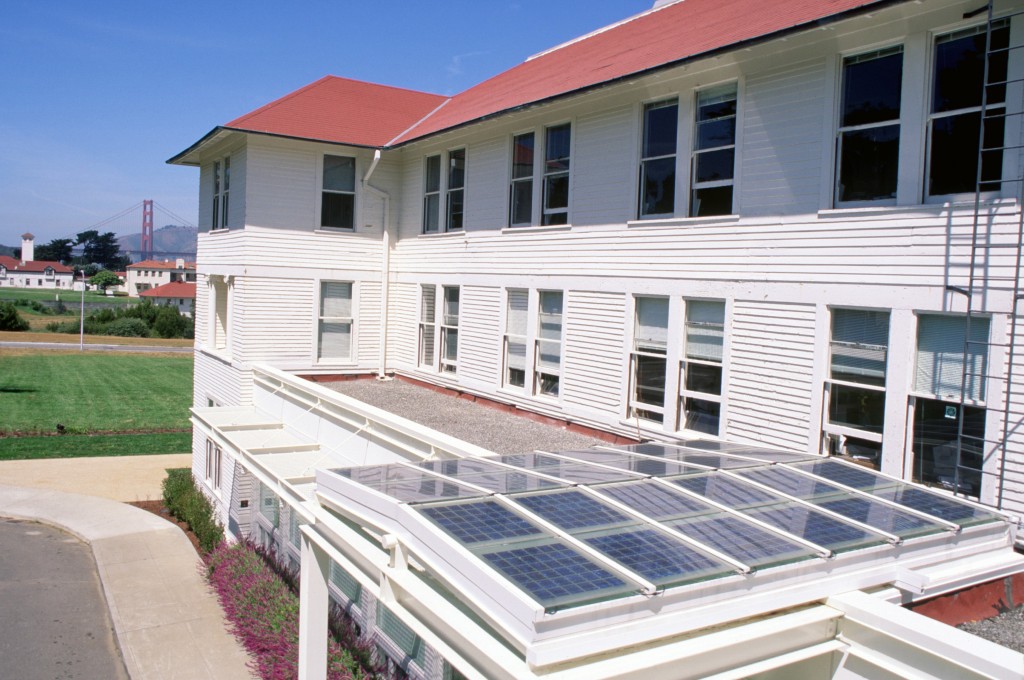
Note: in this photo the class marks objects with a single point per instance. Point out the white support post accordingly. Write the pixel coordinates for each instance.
(313, 605)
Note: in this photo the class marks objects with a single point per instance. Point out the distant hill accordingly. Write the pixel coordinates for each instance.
(170, 241)
(8, 250)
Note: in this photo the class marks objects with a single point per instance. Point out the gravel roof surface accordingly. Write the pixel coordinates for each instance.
(484, 426)
(1007, 629)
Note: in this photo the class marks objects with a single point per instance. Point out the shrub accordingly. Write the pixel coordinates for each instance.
(186, 502)
(128, 328)
(10, 320)
(169, 323)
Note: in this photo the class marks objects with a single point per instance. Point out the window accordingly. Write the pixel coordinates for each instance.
(456, 189)
(867, 147)
(270, 506)
(548, 353)
(401, 636)
(209, 459)
(221, 186)
(650, 342)
(515, 337)
(450, 330)
(338, 198)
(658, 158)
(700, 396)
(939, 374)
(714, 151)
(219, 313)
(335, 321)
(855, 387)
(345, 583)
(955, 117)
(431, 194)
(557, 142)
(428, 295)
(217, 456)
(521, 191)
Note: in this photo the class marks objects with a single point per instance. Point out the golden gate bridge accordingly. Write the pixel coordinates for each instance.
(138, 220)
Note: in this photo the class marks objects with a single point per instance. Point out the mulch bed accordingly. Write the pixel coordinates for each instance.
(158, 508)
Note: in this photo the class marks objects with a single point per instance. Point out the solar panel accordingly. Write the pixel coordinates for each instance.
(555, 575)
(572, 509)
(406, 484)
(938, 505)
(674, 453)
(573, 471)
(625, 461)
(654, 500)
(657, 557)
(486, 474)
(479, 521)
(744, 541)
(817, 527)
(852, 476)
(725, 490)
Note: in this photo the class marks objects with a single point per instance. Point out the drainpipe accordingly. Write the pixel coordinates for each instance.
(385, 266)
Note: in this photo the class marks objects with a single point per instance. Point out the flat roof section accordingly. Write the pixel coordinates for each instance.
(490, 428)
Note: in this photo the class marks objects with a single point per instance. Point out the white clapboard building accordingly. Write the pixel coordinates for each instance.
(778, 226)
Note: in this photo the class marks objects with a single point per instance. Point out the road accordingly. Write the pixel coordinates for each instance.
(100, 348)
(54, 621)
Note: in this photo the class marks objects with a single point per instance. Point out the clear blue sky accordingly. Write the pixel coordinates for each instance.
(94, 97)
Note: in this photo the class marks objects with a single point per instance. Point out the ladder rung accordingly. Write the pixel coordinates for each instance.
(986, 343)
(988, 149)
(1009, 81)
(987, 246)
(1007, 15)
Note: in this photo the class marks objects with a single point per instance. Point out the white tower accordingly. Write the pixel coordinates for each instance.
(28, 249)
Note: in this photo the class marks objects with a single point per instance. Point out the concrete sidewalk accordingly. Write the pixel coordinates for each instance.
(167, 622)
(119, 478)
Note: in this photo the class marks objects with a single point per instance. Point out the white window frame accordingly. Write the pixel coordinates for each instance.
(686, 360)
(221, 189)
(448, 327)
(341, 192)
(639, 350)
(539, 370)
(427, 326)
(510, 338)
(696, 152)
(644, 108)
(451, 190)
(220, 297)
(432, 193)
(320, 319)
(550, 216)
(525, 182)
(214, 461)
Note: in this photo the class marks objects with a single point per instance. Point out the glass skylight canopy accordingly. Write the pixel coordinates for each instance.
(578, 527)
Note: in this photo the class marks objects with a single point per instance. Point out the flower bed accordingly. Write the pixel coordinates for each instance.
(264, 614)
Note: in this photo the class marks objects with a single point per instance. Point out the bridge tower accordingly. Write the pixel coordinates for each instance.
(147, 230)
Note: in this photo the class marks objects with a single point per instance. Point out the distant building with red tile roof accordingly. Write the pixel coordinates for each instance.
(177, 294)
(147, 274)
(31, 273)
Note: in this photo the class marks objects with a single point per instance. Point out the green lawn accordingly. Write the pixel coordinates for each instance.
(133, 403)
(70, 297)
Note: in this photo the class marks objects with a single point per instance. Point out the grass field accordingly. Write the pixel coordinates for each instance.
(108, 403)
(70, 297)
(71, 339)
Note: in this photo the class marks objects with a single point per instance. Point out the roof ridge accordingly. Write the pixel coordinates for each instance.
(419, 122)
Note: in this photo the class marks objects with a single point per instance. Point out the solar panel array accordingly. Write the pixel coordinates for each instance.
(577, 527)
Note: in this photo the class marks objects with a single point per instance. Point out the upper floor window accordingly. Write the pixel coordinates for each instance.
(557, 143)
(221, 187)
(714, 151)
(658, 158)
(335, 319)
(456, 190)
(867, 146)
(219, 312)
(521, 191)
(431, 194)
(338, 198)
(954, 120)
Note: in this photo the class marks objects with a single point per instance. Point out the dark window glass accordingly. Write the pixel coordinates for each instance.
(661, 122)
(337, 210)
(872, 85)
(704, 378)
(869, 163)
(713, 201)
(658, 186)
(935, 445)
(856, 407)
(702, 415)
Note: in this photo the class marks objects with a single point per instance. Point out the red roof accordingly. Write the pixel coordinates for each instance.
(341, 110)
(177, 289)
(13, 264)
(160, 264)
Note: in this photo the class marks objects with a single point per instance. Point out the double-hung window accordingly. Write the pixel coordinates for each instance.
(855, 387)
(450, 330)
(714, 151)
(214, 459)
(338, 197)
(516, 315)
(335, 321)
(947, 359)
(557, 143)
(658, 159)
(428, 308)
(700, 396)
(431, 194)
(221, 187)
(521, 191)
(456, 189)
(219, 313)
(868, 142)
(647, 360)
(548, 355)
(954, 122)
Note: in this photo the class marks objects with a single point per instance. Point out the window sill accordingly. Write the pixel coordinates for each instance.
(538, 229)
(668, 222)
(334, 230)
(443, 234)
(932, 209)
(219, 354)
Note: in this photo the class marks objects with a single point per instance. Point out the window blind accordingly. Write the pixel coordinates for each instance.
(860, 340)
(651, 323)
(940, 356)
(705, 329)
(336, 300)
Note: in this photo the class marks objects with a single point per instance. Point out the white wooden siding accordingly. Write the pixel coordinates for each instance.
(282, 186)
(1013, 466)
(403, 317)
(236, 189)
(274, 319)
(480, 335)
(368, 324)
(593, 355)
(226, 384)
(771, 369)
(487, 184)
(603, 166)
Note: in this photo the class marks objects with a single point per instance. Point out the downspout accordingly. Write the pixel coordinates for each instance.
(385, 266)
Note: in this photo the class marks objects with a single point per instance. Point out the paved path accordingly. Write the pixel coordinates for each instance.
(101, 348)
(53, 615)
(119, 478)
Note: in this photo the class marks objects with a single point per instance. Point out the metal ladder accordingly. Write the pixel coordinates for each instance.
(980, 287)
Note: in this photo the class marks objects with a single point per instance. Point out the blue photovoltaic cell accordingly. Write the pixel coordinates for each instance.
(572, 510)
(708, 460)
(495, 478)
(742, 540)
(852, 476)
(408, 485)
(641, 464)
(479, 521)
(789, 482)
(655, 556)
(573, 471)
(881, 516)
(817, 528)
(936, 505)
(654, 500)
(725, 490)
(554, 574)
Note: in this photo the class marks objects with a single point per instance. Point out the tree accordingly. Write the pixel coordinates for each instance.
(104, 279)
(10, 320)
(57, 250)
(102, 249)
